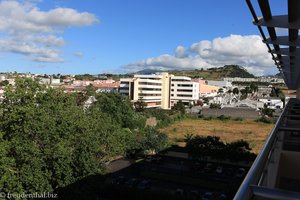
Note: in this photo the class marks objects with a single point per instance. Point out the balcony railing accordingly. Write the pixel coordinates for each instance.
(275, 174)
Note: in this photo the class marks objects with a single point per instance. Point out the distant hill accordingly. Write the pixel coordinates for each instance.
(278, 75)
(210, 74)
(215, 73)
(147, 71)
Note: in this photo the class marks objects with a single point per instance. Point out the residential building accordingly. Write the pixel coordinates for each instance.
(182, 88)
(160, 90)
(206, 90)
(259, 79)
(222, 84)
(271, 102)
(153, 89)
(107, 86)
(50, 81)
(1, 94)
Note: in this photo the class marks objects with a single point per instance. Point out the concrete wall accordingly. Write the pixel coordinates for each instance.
(245, 113)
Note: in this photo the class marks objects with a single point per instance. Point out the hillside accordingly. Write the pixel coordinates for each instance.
(210, 74)
(215, 73)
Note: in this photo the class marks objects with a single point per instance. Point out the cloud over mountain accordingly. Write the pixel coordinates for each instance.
(247, 51)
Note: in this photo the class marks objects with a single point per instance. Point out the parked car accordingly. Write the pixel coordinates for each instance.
(240, 172)
(119, 180)
(144, 184)
(194, 194)
(149, 159)
(222, 197)
(179, 192)
(132, 182)
(219, 170)
(208, 168)
(229, 171)
(207, 196)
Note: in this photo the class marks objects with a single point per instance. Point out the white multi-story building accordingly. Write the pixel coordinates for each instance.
(154, 89)
(159, 90)
(182, 88)
(221, 84)
(260, 79)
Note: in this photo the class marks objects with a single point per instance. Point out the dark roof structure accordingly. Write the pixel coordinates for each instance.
(285, 50)
(275, 173)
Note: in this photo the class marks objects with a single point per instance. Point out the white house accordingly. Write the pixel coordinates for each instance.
(271, 102)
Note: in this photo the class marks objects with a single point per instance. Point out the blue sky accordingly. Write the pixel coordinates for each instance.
(119, 36)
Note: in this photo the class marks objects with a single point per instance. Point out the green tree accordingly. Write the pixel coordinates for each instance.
(118, 107)
(235, 91)
(253, 87)
(188, 137)
(215, 106)
(140, 105)
(4, 83)
(90, 90)
(266, 111)
(48, 141)
(205, 100)
(179, 106)
(154, 141)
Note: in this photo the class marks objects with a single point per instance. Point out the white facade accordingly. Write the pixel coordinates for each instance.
(50, 81)
(260, 79)
(221, 84)
(273, 103)
(149, 88)
(160, 90)
(1, 94)
(182, 88)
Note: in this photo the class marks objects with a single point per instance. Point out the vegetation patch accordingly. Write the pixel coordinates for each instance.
(231, 130)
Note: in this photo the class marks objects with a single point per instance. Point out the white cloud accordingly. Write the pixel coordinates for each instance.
(32, 32)
(180, 52)
(78, 55)
(50, 41)
(247, 51)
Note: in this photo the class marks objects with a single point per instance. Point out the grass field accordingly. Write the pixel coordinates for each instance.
(253, 132)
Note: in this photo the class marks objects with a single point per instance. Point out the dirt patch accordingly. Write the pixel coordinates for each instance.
(151, 121)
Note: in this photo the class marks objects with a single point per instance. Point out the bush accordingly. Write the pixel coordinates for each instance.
(215, 106)
(223, 117)
(264, 120)
(238, 119)
(208, 118)
(179, 140)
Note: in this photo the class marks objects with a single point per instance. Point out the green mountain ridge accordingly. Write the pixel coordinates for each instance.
(210, 73)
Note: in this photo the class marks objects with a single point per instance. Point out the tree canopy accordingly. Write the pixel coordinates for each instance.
(48, 140)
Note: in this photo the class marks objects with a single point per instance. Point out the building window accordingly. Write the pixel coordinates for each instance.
(183, 90)
(184, 95)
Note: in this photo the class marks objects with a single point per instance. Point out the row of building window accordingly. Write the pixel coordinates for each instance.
(184, 95)
(183, 85)
(146, 83)
(150, 89)
(182, 90)
(149, 95)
